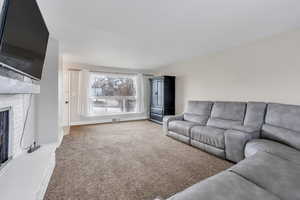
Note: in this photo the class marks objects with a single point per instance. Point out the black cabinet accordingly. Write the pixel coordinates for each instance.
(162, 97)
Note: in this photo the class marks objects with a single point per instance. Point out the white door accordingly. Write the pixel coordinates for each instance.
(66, 97)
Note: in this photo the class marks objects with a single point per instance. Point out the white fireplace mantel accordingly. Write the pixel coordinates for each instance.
(27, 176)
(13, 86)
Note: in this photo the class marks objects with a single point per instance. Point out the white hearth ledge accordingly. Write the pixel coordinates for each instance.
(27, 176)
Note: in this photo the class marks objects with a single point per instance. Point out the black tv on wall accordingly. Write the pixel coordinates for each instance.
(23, 38)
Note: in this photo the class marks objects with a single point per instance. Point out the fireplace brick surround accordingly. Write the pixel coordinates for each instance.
(17, 105)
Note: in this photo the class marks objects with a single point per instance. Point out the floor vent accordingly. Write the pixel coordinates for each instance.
(115, 120)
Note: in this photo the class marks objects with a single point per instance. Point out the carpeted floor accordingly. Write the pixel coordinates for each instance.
(126, 161)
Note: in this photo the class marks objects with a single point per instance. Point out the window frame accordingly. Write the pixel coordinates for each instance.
(116, 75)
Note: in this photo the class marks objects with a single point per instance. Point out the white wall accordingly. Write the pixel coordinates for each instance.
(61, 101)
(266, 70)
(49, 129)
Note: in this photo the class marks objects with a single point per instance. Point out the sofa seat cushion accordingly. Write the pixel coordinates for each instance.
(224, 186)
(272, 173)
(209, 135)
(181, 127)
(272, 147)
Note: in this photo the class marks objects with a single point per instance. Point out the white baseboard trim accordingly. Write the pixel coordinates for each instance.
(66, 130)
(102, 121)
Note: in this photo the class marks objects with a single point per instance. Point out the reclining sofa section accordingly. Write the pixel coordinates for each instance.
(220, 128)
(267, 135)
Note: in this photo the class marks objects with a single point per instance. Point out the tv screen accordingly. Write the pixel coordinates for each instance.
(24, 37)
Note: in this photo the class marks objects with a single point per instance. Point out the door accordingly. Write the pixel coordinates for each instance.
(66, 99)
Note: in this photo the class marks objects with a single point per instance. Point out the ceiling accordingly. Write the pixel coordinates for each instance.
(146, 34)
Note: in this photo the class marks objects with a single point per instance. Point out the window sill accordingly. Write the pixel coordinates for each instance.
(86, 120)
(111, 114)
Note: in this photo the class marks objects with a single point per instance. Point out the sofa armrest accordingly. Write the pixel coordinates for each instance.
(168, 119)
(235, 142)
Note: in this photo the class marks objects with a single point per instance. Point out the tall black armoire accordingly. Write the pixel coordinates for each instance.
(162, 97)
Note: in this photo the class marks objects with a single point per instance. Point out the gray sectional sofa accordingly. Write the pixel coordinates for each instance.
(263, 139)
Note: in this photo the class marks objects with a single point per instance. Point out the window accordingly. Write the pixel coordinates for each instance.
(112, 94)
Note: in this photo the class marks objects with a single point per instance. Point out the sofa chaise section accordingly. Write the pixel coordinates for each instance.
(224, 186)
(274, 174)
(179, 127)
(262, 176)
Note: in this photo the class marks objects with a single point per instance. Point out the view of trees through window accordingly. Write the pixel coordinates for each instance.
(112, 94)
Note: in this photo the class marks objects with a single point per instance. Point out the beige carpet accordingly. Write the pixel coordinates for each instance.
(126, 161)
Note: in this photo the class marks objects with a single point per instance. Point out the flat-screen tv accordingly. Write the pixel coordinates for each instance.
(23, 37)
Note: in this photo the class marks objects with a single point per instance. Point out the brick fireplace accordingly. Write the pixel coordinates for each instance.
(14, 107)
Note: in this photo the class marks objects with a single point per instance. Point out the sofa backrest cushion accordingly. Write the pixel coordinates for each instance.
(282, 124)
(282, 135)
(284, 116)
(199, 119)
(198, 111)
(255, 114)
(227, 114)
(223, 123)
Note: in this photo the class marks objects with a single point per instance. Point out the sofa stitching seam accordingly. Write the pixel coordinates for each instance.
(248, 180)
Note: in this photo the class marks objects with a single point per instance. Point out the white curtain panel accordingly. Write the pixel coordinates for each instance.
(84, 84)
(140, 93)
(143, 93)
(74, 96)
(147, 92)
